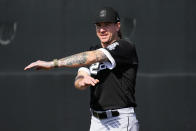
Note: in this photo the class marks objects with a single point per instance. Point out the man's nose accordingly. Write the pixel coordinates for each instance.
(102, 29)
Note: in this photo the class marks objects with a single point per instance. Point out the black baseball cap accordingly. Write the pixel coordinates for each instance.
(106, 14)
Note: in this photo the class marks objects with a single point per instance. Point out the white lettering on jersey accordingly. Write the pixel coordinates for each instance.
(96, 67)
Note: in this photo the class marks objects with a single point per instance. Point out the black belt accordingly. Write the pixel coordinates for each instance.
(103, 115)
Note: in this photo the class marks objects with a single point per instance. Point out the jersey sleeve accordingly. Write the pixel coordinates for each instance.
(86, 69)
(119, 53)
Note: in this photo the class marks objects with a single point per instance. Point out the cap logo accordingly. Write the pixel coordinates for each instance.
(102, 13)
(118, 19)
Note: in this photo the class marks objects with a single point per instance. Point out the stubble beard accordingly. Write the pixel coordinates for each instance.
(110, 41)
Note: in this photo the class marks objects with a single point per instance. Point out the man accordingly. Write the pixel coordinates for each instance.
(109, 70)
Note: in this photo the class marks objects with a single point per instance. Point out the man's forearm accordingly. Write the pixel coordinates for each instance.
(82, 59)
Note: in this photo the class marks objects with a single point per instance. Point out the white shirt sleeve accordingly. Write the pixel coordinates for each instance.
(84, 69)
(111, 64)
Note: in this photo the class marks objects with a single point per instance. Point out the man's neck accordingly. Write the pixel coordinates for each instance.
(104, 45)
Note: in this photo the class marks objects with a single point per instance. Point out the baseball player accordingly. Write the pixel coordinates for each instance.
(109, 70)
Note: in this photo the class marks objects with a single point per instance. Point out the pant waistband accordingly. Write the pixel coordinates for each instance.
(111, 113)
(126, 110)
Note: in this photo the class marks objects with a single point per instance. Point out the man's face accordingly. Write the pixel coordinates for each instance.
(107, 32)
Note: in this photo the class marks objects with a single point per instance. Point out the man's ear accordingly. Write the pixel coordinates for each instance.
(117, 26)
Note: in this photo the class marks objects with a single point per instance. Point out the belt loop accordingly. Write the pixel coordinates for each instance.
(109, 113)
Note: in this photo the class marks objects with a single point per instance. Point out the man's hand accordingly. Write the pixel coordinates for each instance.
(87, 81)
(84, 81)
(40, 65)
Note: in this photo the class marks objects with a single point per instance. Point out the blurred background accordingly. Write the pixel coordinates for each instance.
(47, 100)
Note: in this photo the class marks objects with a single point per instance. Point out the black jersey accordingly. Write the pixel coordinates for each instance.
(116, 87)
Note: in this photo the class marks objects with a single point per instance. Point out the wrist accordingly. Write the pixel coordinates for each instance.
(55, 63)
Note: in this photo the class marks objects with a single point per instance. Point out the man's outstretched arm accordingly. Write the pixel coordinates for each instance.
(77, 60)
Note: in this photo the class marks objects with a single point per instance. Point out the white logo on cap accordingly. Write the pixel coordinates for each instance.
(102, 13)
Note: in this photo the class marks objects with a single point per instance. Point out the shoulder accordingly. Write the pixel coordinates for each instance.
(121, 44)
(126, 43)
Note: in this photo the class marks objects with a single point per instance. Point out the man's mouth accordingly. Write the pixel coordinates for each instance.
(105, 35)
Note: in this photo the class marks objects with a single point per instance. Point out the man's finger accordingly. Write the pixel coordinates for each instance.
(93, 84)
(95, 81)
(92, 79)
(90, 82)
(26, 68)
(30, 66)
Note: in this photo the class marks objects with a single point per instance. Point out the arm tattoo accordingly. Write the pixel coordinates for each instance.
(76, 59)
(100, 56)
(83, 59)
